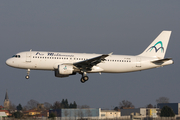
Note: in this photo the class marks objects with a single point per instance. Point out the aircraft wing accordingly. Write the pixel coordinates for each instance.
(89, 63)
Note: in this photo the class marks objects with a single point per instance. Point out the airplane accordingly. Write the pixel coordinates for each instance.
(65, 64)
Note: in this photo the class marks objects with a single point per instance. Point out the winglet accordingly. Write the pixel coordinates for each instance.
(110, 53)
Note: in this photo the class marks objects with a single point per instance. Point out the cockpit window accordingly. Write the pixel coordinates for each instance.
(16, 56)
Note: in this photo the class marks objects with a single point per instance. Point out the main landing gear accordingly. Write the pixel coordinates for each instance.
(28, 72)
(84, 77)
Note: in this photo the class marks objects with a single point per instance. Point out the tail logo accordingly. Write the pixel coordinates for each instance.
(157, 49)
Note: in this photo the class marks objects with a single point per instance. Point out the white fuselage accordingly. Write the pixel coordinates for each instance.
(65, 64)
(38, 60)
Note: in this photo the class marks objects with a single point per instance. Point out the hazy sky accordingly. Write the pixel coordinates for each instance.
(94, 26)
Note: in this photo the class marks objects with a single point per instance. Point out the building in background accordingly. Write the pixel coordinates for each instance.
(6, 112)
(109, 114)
(1, 107)
(6, 102)
(76, 113)
(91, 113)
(127, 112)
(31, 112)
(175, 107)
(152, 112)
(2, 114)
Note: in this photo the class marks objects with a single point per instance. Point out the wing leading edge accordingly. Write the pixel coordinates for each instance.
(87, 65)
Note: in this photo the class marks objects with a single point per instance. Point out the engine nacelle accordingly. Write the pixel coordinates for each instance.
(56, 72)
(65, 69)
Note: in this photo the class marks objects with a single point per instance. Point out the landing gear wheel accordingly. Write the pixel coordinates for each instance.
(85, 78)
(27, 76)
(82, 80)
(28, 72)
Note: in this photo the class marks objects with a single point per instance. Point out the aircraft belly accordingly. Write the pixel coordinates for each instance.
(43, 65)
(118, 67)
(36, 65)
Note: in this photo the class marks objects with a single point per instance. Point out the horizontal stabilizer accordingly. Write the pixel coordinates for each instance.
(161, 60)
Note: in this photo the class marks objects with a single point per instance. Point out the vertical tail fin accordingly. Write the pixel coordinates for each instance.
(158, 47)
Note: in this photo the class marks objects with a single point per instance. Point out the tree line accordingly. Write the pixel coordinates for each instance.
(33, 104)
(63, 104)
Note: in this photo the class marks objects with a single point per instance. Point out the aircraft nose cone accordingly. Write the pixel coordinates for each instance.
(8, 62)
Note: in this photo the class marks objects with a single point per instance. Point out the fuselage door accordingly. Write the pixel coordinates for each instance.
(138, 62)
(28, 56)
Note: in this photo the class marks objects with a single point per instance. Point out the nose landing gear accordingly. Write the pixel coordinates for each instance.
(28, 72)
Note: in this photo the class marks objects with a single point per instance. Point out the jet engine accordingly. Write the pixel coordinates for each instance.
(64, 71)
